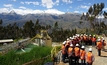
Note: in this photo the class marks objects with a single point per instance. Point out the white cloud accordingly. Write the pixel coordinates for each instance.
(47, 3)
(23, 11)
(34, 3)
(76, 12)
(67, 1)
(57, 1)
(22, 2)
(84, 7)
(54, 11)
(44, 3)
(4, 10)
(29, 2)
(22, 7)
(8, 5)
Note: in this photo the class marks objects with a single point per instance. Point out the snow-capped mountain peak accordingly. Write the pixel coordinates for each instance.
(12, 12)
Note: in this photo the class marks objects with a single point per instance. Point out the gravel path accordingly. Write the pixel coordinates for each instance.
(103, 59)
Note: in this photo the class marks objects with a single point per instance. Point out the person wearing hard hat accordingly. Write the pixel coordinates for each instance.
(67, 46)
(82, 55)
(85, 39)
(63, 51)
(93, 40)
(90, 39)
(71, 54)
(103, 43)
(77, 54)
(99, 46)
(90, 57)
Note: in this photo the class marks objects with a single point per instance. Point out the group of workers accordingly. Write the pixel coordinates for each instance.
(74, 49)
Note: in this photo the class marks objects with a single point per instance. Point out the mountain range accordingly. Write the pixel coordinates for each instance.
(66, 21)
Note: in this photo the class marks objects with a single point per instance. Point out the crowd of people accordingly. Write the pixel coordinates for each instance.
(73, 48)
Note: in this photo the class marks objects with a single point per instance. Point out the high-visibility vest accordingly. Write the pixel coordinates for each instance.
(77, 51)
(70, 51)
(63, 49)
(82, 54)
(67, 46)
(89, 57)
(93, 39)
(85, 38)
(99, 45)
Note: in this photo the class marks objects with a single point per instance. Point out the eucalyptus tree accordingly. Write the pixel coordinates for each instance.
(8, 32)
(37, 26)
(1, 29)
(93, 15)
(55, 32)
(28, 29)
(15, 30)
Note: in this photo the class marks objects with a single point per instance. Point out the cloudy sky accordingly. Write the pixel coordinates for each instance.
(48, 6)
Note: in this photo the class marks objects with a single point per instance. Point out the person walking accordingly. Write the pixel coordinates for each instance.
(77, 54)
(82, 55)
(71, 54)
(90, 57)
(99, 46)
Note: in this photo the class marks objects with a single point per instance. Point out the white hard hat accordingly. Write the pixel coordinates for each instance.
(83, 47)
(99, 39)
(84, 34)
(64, 42)
(67, 39)
(70, 37)
(90, 49)
(77, 44)
(103, 39)
(71, 45)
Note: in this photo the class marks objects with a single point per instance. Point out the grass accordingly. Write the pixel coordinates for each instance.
(11, 58)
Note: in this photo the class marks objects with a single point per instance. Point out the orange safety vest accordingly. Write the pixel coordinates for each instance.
(77, 51)
(82, 54)
(70, 49)
(89, 57)
(93, 39)
(84, 37)
(99, 45)
(63, 49)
